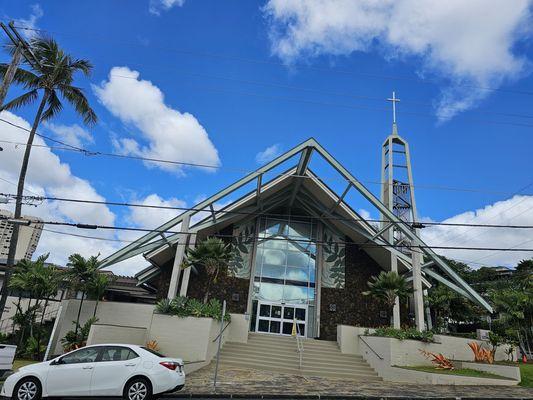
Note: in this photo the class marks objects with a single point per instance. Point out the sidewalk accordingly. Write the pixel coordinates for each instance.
(239, 383)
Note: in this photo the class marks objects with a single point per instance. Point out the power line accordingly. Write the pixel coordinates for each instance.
(87, 236)
(272, 215)
(109, 41)
(299, 240)
(328, 93)
(86, 152)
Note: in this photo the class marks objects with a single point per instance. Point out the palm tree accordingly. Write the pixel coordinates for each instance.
(97, 286)
(212, 254)
(80, 274)
(388, 286)
(53, 77)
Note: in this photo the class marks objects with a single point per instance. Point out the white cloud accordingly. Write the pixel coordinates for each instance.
(31, 21)
(74, 135)
(468, 43)
(157, 6)
(515, 211)
(170, 134)
(154, 217)
(47, 175)
(268, 154)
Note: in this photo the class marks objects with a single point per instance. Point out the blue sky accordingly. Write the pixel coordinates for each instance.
(219, 82)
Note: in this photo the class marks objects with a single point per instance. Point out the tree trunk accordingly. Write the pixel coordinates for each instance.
(96, 306)
(79, 312)
(18, 206)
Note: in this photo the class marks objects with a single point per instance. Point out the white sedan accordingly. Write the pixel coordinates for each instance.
(133, 372)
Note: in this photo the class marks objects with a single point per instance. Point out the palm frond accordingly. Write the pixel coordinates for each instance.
(21, 101)
(54, 106)
(82, 65)
(77, 98)
(22, 77)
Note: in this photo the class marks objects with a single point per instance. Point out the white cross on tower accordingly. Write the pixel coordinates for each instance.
(394, 100)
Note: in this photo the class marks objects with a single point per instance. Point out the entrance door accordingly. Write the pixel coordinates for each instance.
(277, 319)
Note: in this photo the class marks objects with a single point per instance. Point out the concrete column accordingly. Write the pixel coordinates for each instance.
(396, 309)
(178, 259)
(418, 295)
(187, 271)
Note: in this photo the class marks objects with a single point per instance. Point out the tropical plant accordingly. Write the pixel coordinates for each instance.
(74, 339)
(96, 287)
(402, 334)
(34, 348)
(211, 255)
(80, 274)
(481, 354)
(184, 307)
(53, 76)
(388, 286)
(152, 345)
(439, 360)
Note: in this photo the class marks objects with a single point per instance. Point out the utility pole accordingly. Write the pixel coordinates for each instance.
(22, 49)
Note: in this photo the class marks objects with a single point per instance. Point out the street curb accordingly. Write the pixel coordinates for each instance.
(324, 397)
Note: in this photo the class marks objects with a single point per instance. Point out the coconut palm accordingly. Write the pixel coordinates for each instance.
(97, 286)
(388, 286)
(80, 273)
(211, 255)
(52, 79)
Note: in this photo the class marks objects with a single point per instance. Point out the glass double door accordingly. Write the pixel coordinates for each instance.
(278, 319)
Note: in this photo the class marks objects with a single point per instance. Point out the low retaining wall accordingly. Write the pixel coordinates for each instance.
(387, 355)
(101, 333)
(190, 339)
(508, 371)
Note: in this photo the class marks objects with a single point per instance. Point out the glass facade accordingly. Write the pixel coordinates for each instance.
(285, 275)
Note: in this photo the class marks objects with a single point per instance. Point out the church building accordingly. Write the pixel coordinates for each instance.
(300, 249)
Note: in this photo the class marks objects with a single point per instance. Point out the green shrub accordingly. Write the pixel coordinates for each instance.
(184, 307)
(403, 334)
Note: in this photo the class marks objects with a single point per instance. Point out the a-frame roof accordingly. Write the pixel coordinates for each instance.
(297, 178)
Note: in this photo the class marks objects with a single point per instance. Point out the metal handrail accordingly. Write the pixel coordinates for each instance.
(299, 344)
(221, 332)
(371, 349)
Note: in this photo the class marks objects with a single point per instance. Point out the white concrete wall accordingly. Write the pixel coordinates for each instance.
(111, 313)
(453, 347)
(386, 354)
(117, 334)
(11, 308)
(509, 371)
(191, 339)
(238, 329)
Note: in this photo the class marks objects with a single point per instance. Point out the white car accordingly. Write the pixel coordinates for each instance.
(133, 372)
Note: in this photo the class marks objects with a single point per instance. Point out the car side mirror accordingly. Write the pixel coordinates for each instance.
(57, 361)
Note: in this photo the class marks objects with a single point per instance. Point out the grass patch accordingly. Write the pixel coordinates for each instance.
(526, 371)
(22, 363)
(461, 372)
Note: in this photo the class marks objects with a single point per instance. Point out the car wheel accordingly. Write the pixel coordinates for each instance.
(138, 389)
(27, 389)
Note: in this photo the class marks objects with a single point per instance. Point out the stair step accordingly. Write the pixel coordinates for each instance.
(370, 376)
(306, 365)
(268, 348)
(330, 359)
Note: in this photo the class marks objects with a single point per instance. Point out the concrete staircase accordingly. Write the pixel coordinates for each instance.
(279, 354)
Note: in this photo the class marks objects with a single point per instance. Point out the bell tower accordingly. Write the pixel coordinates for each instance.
(398, 195)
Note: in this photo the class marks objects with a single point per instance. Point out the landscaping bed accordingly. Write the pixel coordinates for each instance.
(461, 372)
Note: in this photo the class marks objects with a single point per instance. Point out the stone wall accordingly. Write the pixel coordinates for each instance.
(348, 306)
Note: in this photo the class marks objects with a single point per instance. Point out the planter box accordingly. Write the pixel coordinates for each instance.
(508, 371)
(388, 355)
(190, 338)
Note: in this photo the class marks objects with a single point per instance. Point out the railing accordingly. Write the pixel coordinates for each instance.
(299, 344)
(371, 349)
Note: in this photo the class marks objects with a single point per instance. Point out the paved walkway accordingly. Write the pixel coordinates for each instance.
(262, 384)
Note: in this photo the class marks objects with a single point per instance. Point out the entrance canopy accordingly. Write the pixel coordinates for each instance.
(289, 181)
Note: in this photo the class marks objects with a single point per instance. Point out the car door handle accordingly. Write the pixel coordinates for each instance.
(131, 365)
(89, 367)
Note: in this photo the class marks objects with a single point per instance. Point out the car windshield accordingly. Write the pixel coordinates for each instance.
(155, 353)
